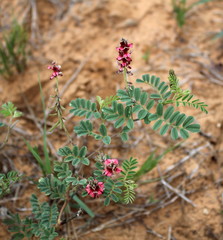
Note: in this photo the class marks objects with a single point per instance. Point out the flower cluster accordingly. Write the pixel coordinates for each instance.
(111, 167)
(95, 188)
(124, 56)
(56, 70)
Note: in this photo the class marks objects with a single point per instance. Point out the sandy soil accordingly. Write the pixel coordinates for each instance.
(84, 35)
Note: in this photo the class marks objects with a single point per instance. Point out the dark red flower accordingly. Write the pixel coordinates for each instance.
(56, 70)
(111, 167)
(124, 57)
(95, 188)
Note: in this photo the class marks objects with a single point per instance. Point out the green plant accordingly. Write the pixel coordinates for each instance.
(10, 113)
(13, 51)
(183, 97)
(6, 180)
(114, 117)
(218, 35)
(151, 162)
(46, 163)
(42, 225)
(181, 8)
(146, 55)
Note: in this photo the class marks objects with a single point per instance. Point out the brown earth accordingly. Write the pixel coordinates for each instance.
(85, 34)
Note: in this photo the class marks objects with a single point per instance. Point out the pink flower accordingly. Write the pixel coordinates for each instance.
(124, 57)
(95, 188)
(56, 70)
(111, 167)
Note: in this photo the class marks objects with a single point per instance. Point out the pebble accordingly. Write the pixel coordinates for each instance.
(205, 211)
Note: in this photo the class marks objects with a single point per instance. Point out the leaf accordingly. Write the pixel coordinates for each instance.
(150, 104)
(139, 81)
(153, 117)
(72, 180)
(169, 111)
(83, 206)
(83, 107)
(157, 124)
(114, 197)
(193, 128)
(184, 134)
(65, 151)
(107, 201)
(36, 155)
(118, 184)
(76, 161)
(188, 121)
(75, 150)
(136, 108)
(119, 122)
(173, 118)
(8, 109)
(147, 165)
(130, 124)
(83, 181)
(17, 114)
(143, 98)
(106, 140)
(99, 165)
(103, 130)
(120, 109)
(142, 113)
(146, 77)
(200, 2)
(180, 119)
(117, 190)
(164, 129)
(17, 236)
(83, 151)
(85, 161)
(124, 137)
(154, 95)
(174, 133)
(164, 89)
(159, 109)
(112, 117)
(137, 93)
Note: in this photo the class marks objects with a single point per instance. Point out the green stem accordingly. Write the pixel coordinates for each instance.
(125, 78)
(47, 164)
(7, 135)
(57, 86)
(60, 116)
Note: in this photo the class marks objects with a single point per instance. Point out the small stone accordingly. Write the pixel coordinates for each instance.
(205, 211)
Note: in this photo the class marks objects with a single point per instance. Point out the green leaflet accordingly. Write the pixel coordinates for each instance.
(82, 107)
(183, 97)
(75, 155)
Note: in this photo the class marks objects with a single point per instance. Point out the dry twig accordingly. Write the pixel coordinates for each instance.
(192, 153)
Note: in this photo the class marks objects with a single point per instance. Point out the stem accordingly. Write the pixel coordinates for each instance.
(8, 134)
(57, 86)
(67, 133)
(125, 78)
(59, 221)
(59, 112)
(47, 165)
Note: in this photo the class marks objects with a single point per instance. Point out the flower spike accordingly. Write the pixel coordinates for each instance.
(124, 57)
(56, 70)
